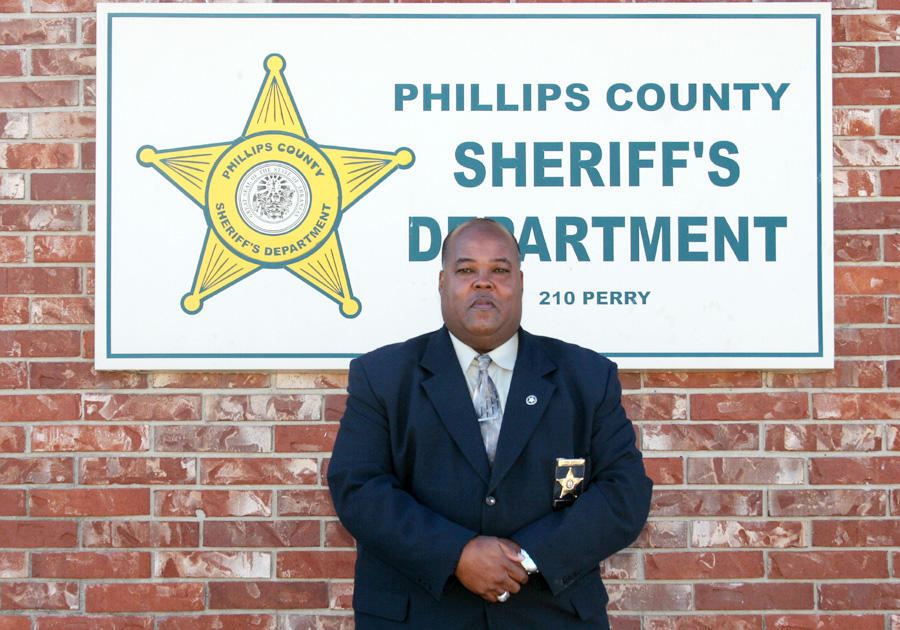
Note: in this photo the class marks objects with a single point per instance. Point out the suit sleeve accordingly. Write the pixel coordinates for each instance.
(371, 503)
(609, 515)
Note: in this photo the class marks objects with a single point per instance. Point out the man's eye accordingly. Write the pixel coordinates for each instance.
(501, 270)
(464, 270)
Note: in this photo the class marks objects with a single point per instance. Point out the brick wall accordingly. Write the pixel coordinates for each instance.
(187, 500)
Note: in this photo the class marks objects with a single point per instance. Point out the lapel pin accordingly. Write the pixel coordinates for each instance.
(531, 400)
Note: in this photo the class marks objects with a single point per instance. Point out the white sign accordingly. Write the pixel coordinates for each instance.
(274, 181)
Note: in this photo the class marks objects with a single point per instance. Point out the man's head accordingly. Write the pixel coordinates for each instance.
(481, 284)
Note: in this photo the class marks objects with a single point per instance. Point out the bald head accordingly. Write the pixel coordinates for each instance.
(473, 223)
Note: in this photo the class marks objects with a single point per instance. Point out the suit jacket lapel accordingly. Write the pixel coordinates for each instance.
(529, 395)
(448, 392)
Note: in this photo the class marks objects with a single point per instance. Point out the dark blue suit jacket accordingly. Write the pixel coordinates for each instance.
(411, 481)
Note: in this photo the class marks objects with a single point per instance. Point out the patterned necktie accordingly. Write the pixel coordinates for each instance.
(487, 406)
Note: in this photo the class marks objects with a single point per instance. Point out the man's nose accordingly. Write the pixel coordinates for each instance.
(483, 279)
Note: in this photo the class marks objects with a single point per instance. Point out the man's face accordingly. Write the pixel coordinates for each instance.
(481, 287)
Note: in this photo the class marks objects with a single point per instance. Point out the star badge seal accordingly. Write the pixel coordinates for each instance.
(273, 197)
(569, 480)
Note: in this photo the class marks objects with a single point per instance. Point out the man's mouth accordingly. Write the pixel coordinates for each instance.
(482, 303)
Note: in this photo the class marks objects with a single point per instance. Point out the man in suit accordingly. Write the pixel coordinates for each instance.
(484, 492)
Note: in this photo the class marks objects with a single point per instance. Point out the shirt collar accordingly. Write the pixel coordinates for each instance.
(503, 355)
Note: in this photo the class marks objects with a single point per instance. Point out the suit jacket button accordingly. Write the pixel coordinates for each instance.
(490, 501)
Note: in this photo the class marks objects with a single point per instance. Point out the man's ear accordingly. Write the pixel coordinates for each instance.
(440, 281)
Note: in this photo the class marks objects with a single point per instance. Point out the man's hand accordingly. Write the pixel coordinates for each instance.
(488, 566)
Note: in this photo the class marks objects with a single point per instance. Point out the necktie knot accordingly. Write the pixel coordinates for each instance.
(484, 361)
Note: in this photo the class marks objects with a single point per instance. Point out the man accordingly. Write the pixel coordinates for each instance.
(483, 493)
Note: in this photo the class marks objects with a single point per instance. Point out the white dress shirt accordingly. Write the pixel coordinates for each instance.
(503, 360)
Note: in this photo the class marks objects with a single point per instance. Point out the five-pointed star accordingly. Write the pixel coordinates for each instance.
(568, 483)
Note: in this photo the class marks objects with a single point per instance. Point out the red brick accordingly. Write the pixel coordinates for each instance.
(867, 406)
(621, 566)
(869, 280)
(757, 406)
(853, 122)
(181, 407)
(83, 502)
(335, 406)
(89, 31)
(285, 533)
(888, 59)
(345, 622)
(171, 597)
(212, 380)
(890, 122)
(655, 406)
(336, 535)
(63, 124)
(213, 564)
(66, 6)
(314, 438)
(218, 622)
(856, 533)
(15, 622)
(854, 247)
(754, 596)
(316, 564)
(856, 183)
(893, 440)
(12, 440)
(89, 275)
(704, 565)
(62, 186)
(703, 622)
(258, 470)
(56, 438)
(866, 91)
(834, 470)
(64, 249)
(823, 437)
(264, 407)
(748, 534)
(89, 92)
(12, 6)
(12, 503)
(37, 31)
(13, 565)
(859, 596)
(49, 343)
(63, 61)
(91, 565)
(854, 59)
(88, 344)
(649, 596)
(69, 310)
(12, 249)
(305, 503)
(890, 182)
(702, 379)
(704, 437)
(43, 407)
(630, 380)
(94, 622)
(662, 535)
(215, 503)
(267, 595)
(827, 565)
(20, 94)
(35, 155)
(859, 309)
(226, 439)
(38, 596)
(866, 341)
(893, 311)
(81, 375)
(866, 28)
(131, 534)
(55, 217)
(13, 310)
(892, 247)
(38, 470)
(862, 152)
(706, 503)
(12, 186)
(844, 374)
(137, 470)
(89, 159)
(13, 375)
(13, 125)
(665, 470)
(37, 280)
(311, 380)
(824, 622)
(37, 534)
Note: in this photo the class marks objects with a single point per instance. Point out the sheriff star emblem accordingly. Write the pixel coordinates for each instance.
(273, 197)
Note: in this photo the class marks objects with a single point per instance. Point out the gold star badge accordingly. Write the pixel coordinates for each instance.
(569, 483)
(273, 197)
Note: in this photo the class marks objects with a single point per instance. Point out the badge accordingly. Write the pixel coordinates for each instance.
(569, 481)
